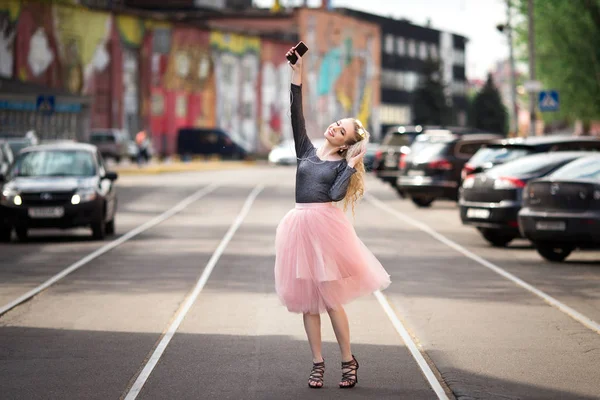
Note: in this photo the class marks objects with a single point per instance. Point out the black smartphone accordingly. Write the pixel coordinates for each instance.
(301, 49)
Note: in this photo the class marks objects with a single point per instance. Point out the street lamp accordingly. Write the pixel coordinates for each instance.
(502, 28)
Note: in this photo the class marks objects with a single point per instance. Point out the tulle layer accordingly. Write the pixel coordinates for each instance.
(320, 261)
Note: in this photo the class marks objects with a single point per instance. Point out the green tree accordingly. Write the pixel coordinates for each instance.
(487, 112)
(567, 53)
(429, 102)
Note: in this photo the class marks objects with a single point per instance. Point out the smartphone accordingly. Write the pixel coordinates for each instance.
(301, 49)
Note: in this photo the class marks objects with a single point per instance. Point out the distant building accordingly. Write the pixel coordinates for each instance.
(405, 48)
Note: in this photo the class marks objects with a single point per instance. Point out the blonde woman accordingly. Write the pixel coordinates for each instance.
(320, 262)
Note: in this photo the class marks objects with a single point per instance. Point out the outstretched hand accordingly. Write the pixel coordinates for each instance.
(298, 65)
(358, 157)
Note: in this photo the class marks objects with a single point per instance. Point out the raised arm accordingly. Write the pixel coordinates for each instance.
(301, 140)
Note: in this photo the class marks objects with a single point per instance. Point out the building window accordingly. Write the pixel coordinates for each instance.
(423, 51)
(411, 80)
(389, 44)
(391, 114)
(412, 48)
(433, 52)
(459, 57)
(401, 46)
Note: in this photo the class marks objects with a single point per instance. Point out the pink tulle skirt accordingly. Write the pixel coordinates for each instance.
(320, 262)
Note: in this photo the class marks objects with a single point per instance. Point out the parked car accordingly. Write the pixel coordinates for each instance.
(17, 142)
(491, 200)
(285, 152)
(369, 158)
(504, 150)
(63, 185)
(395, 143)
(112, 143)
(431, 169)
(6, 156)
(561, 212)
(201, 141)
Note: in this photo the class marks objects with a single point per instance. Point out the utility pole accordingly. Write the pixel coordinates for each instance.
(513, 73)
(532, 93)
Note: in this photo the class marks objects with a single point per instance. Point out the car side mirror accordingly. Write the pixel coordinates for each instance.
(113, 176)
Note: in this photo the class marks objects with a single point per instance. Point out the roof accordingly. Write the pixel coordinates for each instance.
(62, 145)
(543, 140)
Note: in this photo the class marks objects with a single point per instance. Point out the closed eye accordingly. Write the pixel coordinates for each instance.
(343, 130)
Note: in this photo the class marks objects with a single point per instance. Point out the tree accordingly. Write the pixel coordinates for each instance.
(487, 112)
(429, 102)
(567, 52)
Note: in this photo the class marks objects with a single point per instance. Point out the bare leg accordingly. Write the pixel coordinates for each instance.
(312, 325)
(339, 320)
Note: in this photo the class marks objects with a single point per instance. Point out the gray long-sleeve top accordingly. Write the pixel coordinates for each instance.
(317, 181)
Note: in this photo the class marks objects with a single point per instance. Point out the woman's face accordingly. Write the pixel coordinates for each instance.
(340, 132)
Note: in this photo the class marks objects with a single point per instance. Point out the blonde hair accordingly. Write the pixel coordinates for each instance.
(356, 187)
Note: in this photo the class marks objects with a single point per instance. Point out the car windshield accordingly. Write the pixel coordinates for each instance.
(399, 139)
(54, 163)
(537, 164)
(586, 168)
(497, 155)
(102, 138)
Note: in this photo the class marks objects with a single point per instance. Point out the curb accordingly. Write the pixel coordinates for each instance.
(193, 166)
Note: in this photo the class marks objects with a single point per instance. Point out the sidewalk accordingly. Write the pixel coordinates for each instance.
(156, 167)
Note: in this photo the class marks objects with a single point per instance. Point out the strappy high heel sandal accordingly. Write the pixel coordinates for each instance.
(315, 380)
(349, 373)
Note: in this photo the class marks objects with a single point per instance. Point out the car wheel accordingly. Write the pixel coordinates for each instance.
(423, 202)
(554, 252)
(21, 232)
(110, 227)
(5, 233)
(99, 230)
(497, 238)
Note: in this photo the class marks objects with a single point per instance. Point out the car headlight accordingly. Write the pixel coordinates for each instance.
(83, 196)
(10, 197)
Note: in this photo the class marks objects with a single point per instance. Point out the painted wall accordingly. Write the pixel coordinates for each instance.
(341, 69)
(237, 62)
(275, 76)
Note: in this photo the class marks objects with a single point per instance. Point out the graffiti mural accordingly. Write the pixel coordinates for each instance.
(274, 94)
(236, 59)
(9, 13)
(341, 67)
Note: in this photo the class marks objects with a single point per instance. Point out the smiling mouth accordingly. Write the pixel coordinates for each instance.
(330, 131)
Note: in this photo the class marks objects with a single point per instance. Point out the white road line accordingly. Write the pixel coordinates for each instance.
(576, 315)
(189, 301)
(412, 347)
(109, 246)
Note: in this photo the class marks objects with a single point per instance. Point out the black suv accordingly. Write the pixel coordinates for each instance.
(63, 185)
(431, 169)
(501, 151)
(201, 141)
(395, 143)
(491, 200)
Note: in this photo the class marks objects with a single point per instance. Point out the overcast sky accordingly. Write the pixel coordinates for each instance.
(475, 19)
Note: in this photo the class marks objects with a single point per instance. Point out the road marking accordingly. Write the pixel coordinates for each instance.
(191, 298)
(576, 315)
(109, 246)
(412, 347)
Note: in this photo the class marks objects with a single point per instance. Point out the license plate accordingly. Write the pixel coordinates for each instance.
(479, 213)
(550, 225)
(390, 161)
(46, 212)
(416, 173)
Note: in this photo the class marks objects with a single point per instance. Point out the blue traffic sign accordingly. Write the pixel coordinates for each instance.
(46, 104)
(548, 100)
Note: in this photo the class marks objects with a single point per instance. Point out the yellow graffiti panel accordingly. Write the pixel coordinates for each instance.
(131, 29)
(81, 31)
(13, 7)
(234, 43)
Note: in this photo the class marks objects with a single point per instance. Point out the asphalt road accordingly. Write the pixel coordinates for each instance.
(186, 308)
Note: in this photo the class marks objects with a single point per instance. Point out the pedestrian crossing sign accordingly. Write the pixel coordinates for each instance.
(548, 100)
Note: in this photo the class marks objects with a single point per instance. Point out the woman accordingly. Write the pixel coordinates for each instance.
(320, 262)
